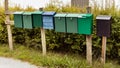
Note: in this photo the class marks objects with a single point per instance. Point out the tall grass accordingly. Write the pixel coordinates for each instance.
(65, 42)
(51, 60)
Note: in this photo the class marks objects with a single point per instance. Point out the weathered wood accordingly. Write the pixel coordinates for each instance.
(89, 49)
(7, 22)
(89, 44)
(9, 12)
(10, 37)
(103, 55)
(6, 5)
(43, 41)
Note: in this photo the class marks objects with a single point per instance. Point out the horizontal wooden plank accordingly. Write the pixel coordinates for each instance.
(9, 12)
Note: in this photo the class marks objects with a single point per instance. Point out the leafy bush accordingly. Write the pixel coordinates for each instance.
(65, 42)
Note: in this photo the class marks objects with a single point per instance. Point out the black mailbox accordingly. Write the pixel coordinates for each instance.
(104, 25)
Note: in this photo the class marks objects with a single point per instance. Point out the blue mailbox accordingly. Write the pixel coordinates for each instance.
(48, 20)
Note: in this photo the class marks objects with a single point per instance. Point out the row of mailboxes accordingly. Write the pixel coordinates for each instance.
(74, 23)
(70, 23)
(34, 19)
(61, 22)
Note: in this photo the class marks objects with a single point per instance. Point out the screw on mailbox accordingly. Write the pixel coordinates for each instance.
(58, 17)
(71, 18)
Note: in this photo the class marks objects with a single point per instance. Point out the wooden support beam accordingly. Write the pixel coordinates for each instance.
(43, 41)
(103, 55)
(7, 22)
(89, 49)
(8, 12)
(89, 44)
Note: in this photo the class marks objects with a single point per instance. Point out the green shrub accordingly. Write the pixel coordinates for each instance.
(65, 42)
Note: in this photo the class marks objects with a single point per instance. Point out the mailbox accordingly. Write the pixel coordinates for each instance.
(37, 18)
(18, 19)
(85, 22)
(71, 21)
(48, 20)
(27, 20)
(104, 25)
(60, 22)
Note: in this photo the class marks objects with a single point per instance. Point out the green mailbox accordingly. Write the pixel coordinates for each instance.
(37, 18)
(85, 22)
(27, 20)
(18, 19)
(71, 21)
(60, 22)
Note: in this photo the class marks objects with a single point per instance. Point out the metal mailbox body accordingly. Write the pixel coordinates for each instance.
(60, 22)
(37, 18)
(85, 22)
(27, 20)
(48, 20)
(71, 21)
(18, 19)
(104, 25)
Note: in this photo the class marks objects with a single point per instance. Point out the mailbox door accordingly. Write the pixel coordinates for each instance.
(37, 20)
(72, 25)
(60, 24)
(18, 20)
(85, 26)
(48, 22)
(103, 28)
(27, 21)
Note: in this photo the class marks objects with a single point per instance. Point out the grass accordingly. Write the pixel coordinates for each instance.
(52, 60)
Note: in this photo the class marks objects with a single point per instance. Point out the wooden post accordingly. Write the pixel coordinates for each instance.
(43, 39)
(89, 44)
(103, 55)
(89, 49)
(7, 22)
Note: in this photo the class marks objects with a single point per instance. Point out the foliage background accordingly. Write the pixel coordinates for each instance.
(65, 42)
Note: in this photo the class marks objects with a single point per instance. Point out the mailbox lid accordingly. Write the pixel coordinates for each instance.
(85, 22)
(27, 20)
(18, 12)
(72, 15)
(37, 18)
(60, 22)
(18, 19)
(48, 16)
(60, 15)
(27, 13)
(103, 17)
(48, 13)
(85, 16)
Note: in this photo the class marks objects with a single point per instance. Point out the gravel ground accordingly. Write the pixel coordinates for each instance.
(12, 63)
